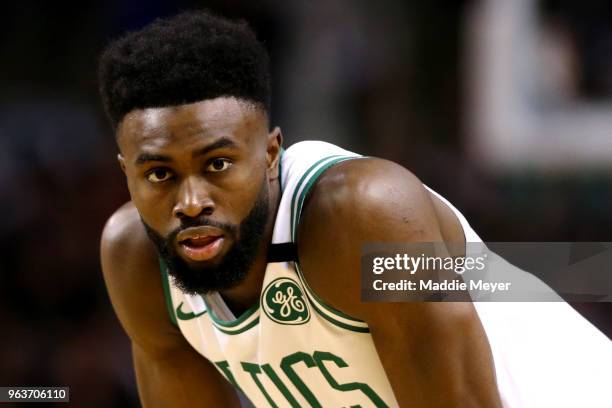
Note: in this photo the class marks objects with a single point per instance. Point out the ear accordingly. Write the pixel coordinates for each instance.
(121, 161)
(273, 152)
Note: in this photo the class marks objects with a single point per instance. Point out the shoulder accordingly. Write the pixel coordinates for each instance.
(124, 245)
(133, 280)
(422, 346)
(374, 196)
(363, 201)
(122, 228)
(356, 202)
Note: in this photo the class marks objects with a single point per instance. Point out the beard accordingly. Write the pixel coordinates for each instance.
(234, 266)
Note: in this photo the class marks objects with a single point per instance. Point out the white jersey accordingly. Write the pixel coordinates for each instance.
(291, 349)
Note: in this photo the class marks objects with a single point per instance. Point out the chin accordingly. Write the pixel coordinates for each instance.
(202, 266)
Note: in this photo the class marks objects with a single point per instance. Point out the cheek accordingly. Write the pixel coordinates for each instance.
(245, 192)
(151, 204)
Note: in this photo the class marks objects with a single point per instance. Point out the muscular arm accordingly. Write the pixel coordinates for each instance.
(434, 354)
(170, 373)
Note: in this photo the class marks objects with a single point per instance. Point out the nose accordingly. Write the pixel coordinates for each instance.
(193, 199)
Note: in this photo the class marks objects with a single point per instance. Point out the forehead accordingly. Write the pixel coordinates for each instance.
(225, 116)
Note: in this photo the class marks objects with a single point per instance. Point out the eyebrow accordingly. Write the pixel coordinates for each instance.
(148, 157)
(217, 144)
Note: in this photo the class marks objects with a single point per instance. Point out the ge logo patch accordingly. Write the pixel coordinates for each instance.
(283, 302)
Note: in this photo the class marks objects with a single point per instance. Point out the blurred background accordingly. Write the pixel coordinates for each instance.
(502, 106)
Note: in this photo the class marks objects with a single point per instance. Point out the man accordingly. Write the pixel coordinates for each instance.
(259, 251)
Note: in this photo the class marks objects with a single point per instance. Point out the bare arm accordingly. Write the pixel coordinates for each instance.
(434, 354)
(170, 373)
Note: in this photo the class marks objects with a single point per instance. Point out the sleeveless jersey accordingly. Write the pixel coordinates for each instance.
(291, 349)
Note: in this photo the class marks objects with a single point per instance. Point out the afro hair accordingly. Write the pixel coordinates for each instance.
(182, 59)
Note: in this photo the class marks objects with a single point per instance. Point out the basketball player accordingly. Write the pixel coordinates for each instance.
(235, 267)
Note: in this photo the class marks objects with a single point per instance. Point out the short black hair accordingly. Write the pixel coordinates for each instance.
(187, 58)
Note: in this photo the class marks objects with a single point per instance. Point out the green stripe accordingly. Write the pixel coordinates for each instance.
(242, 330)
(339, 323)
(299, 184)
(248, 313)
(312, 294)
(295, 221)
(167, 295)
(304, 193)
(313, 301)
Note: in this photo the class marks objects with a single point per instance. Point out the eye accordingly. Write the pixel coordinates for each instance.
(159, 175)
(217, 165)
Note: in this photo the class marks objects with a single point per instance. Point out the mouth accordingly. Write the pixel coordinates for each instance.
(201, 244)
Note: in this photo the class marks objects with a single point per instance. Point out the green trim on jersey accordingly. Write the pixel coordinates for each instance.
(238, 325)
(297, 191)
(232, 323)
(241, 330)
(329, 313)
(330, 319)
(310, 177)
(304, 193)
(167, 295)
(322, 303)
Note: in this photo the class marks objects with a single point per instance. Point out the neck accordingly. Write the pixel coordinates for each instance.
(246, 294)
